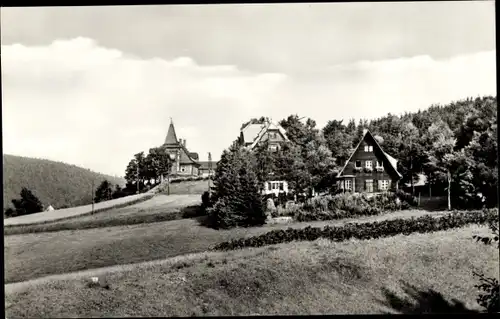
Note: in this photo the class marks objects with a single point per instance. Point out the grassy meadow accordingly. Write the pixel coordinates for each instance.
(28, 256)
(159, 208)
(401, 274)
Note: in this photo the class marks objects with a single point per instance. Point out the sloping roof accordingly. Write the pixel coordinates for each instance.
(185, 156)
(50, 208)
(263, 129)
(194, 156)
(390, 159)
(251, 131)
(171, 136)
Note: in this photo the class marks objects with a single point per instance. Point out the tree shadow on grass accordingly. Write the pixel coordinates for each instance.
(423, 302)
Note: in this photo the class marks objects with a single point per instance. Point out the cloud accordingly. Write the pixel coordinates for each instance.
(84, 104)
(79, 102)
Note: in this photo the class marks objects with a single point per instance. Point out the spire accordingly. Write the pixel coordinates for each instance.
(171, 136)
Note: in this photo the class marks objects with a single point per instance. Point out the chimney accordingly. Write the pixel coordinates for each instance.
(180, 141)
(184, 142)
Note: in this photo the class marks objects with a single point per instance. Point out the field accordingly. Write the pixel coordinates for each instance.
(159, 208)
(406, 274)
(72, 212)
(29, 256)
(189, 187)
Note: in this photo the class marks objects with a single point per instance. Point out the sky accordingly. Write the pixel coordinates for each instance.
(92, 86)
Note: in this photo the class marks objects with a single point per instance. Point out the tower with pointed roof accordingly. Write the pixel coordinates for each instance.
(185, 162)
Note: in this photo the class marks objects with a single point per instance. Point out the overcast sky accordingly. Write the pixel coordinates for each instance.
(92, 86)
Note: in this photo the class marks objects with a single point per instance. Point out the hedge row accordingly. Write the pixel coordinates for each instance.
(187, 179)
(372, 230)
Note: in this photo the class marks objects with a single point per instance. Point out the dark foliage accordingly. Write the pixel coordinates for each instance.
(372, 230)
(27, 204)
(103, 192)
(237, 200)
(348, 205)
(489, 287)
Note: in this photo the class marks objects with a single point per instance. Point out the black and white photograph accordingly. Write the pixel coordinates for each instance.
(250, 159)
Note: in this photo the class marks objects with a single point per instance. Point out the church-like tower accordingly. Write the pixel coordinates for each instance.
(185, 163)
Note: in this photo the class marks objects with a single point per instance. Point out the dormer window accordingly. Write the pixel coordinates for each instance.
(368, 148)
(368, 164)
(358, 164)
(380, 164)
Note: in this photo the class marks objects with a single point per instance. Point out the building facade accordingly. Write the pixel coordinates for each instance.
(369, 169)
(253, 135)
(185, 163)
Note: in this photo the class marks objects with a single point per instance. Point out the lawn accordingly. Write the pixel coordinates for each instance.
(320, 277)
(159, 208)
(29, 256)
(189, 187)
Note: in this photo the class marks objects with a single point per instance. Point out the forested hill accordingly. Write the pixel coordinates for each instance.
(54, 183)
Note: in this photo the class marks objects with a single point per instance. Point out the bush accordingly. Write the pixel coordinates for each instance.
(206, 200)
(236, 192)
(407, 199)
(348, 205)
(221, 215)
(372, 230)
(489, 287)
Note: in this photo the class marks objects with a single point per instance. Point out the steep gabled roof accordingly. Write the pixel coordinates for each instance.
(185, 157)
(171, 136)
(390, 159)
(265, 128)
(251, 131)
(194, 155)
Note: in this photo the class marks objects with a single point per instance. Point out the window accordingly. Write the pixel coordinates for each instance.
(183, 169)
(281, 187)
(368, 164)
(369, 185)
(273, 148)
(269, 186)
(383, 185)
(368, 148)
(358, 163)
(380, 164)
(348, 184)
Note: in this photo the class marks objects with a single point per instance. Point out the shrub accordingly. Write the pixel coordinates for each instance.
(236, 192)
(221, 215)
(372, 230)
(206, 201)
(489, 297)
(408, 199)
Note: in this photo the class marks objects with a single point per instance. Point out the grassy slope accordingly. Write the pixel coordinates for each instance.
(189, 187)
(30, 256)
(159, 208)
(54, 183)
(320, 277)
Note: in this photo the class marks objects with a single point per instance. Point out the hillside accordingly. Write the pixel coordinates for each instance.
(54, 183)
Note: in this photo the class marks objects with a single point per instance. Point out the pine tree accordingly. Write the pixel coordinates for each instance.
(27, 204)
(103, 192)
